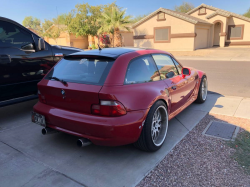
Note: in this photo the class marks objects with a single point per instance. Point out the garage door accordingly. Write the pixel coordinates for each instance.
(201, 40)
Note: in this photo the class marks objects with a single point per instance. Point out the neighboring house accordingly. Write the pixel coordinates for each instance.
(127, 37)
(65, 38)
(204, 26)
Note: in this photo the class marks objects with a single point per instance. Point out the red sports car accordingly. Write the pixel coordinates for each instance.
(117, 96)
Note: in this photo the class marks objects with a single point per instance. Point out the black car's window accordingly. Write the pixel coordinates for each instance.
(13, 36)
(165, 65)
(142, 69)
(85, 70)
(179, 67)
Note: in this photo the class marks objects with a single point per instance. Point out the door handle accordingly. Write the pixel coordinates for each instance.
(173, 87)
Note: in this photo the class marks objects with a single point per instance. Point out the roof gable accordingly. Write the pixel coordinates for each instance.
(179, 15)
(218, 12)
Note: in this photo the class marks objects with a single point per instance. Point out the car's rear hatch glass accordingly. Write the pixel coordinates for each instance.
(84, 79)
(90, 70)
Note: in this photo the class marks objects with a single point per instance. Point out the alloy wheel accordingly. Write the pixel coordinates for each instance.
(204, 89)
(159, 125)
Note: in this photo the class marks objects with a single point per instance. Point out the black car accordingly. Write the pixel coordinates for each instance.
(24, 59)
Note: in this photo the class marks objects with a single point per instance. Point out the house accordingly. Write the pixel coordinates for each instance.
(204, 26)
(65, 38)
(127, 37)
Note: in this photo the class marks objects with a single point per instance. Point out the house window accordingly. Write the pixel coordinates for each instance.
(202, 11)
(235, 32)
(162, 34)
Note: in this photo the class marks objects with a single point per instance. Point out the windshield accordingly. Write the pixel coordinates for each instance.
(86, 71)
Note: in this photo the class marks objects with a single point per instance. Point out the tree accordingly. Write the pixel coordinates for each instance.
(138, 18)
(247, 14)
(46, 25)
(33, 23)
(55, 31)
(83, 20)
(112, 21)
(184, 7)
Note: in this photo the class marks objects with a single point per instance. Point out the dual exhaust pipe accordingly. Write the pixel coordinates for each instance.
(80, 142)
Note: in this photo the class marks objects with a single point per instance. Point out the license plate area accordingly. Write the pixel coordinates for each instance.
(38, 119)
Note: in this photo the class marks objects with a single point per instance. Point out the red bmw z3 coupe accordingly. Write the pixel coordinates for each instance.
(117, 96)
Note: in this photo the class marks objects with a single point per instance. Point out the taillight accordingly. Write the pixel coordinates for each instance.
(108, 108)
(41, 97)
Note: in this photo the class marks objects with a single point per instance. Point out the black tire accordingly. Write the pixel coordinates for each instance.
(200, 98)
(145, 141)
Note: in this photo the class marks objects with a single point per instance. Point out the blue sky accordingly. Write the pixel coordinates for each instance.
(46, 9)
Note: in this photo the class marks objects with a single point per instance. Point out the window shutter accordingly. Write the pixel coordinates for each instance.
(236, 32)
(161, 16)
(202, 10)
(162, 34)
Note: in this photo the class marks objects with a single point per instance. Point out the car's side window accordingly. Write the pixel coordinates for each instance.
(165, 65)
(141, 69)
(179, 67)
(13, 36)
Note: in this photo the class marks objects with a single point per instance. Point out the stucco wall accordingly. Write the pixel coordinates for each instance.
(177, 26)
(237, 21)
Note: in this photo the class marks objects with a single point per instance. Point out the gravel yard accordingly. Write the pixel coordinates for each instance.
(199, 160)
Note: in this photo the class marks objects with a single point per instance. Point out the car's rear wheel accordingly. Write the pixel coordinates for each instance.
(202, 95)
(155, 128)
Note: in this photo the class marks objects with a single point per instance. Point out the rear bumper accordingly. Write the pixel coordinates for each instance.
(106, 131)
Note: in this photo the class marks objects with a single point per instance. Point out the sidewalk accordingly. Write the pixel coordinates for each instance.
(215, 53)
(225, 105)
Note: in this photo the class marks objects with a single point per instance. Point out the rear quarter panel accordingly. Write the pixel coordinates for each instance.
(134, 96)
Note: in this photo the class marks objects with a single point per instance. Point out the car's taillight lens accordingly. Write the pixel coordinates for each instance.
(41, 97)
(108, 108)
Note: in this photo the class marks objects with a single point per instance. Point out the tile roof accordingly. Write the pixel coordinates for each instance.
(218, 12)
(179, 15)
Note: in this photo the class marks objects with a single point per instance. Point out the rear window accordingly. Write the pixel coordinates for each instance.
(85, 70)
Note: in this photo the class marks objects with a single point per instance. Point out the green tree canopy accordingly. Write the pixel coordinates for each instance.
(247, 14)
(33, 23)
(184, 7)
(83, 20)
(46, 25)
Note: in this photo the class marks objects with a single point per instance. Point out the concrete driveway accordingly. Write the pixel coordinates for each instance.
(27, 158)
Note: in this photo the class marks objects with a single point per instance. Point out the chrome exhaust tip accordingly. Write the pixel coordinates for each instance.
(48, 130)
(83, 142)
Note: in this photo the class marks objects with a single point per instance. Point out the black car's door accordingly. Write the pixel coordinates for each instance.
(22, 65)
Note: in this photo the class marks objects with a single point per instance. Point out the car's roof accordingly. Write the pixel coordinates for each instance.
(108, 52)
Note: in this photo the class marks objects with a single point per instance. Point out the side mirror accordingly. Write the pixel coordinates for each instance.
(41, 44)
(170, 74)
(186, 71)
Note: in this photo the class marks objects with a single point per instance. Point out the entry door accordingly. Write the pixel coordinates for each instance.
(22, 66)
(201, 40)
(217, 30)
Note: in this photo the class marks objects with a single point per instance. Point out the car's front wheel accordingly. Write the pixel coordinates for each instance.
(155, 128)
(202, 95)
